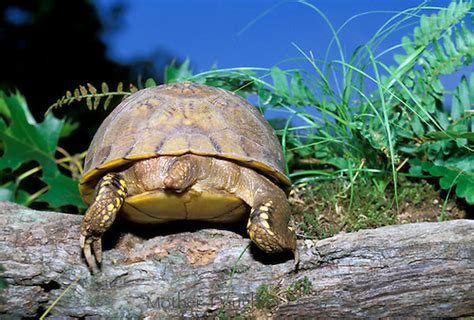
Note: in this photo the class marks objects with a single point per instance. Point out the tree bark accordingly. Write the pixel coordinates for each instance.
(413, 270)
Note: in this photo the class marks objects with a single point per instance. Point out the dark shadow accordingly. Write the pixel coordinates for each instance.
(270, 258)
(149, 231)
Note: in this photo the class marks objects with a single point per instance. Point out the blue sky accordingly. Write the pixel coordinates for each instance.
(242, 33)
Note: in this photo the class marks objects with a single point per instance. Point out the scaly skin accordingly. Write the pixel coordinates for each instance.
(110, 195)
(269, 216)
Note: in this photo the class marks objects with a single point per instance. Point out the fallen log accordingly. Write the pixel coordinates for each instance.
(416, 270)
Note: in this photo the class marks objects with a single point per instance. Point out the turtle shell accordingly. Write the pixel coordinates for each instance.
(183, 118)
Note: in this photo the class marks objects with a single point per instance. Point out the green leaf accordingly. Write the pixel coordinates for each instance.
(175, 73)
(107, 102)
(442, 118)
(26, 140)
(279, 81)
(438, 51)
(415, 167)
(460, 43)
(3, 283)
(417, 126)
(105, 87)
(471, 88)
(91, 88)
(7, 191)
(340, 163)
(442, 135)
(449, 45)
(464, 188)
(96, 102)
(407, 45)
(465, 163)
(265, 96)
(62, 191)
(460, 100)
(150, 82)
(405, 63)
(454, 177)
(89, 103)
(4, 110)
(83, 90)
(69, 126)
(10, 192)
(297, 87)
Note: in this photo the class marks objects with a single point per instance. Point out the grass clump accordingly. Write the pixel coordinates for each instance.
(300, 288)
(268, 296)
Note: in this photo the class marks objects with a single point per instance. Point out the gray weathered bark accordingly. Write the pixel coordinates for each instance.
(421, 270)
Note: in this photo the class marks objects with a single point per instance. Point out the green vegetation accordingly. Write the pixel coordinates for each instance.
(3, 283)
(359, 135)
(30, 147)
(268, 296)
(325, 209)
(402, 128)
(302, 287)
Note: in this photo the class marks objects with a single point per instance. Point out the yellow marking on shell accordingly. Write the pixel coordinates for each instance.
(107, 177)
(101, 225)
(263, 208)
(118, 201)
(110, 207)
(291, 229)
(265, 224)
(249, 223)
(105, 217)
(122, 183)
(270, 232)
(263, 215)
(251, 211)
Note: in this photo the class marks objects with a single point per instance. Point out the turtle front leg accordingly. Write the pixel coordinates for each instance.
(109, 196)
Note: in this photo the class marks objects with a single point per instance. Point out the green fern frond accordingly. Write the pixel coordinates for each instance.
(92, 96)
(462, 104)
(434, 26)
(447, 44)
(442, 53)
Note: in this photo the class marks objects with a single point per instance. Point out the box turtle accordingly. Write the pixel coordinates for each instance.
(186, 151)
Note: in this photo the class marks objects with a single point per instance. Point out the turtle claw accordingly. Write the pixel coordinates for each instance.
(97, 246)
(82, 240)
(297, 258)
(92, 258)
